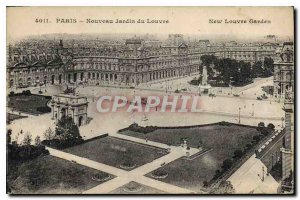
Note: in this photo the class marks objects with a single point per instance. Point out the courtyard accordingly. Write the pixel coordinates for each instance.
(220, 142)
(116, 152)
(49, 174)
(252, 111)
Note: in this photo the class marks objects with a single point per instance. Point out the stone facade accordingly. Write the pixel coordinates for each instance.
(270, 152)
(128, 64)
(284, 70)
(288, 148)
(245, 52)
(73, 106)
(131, 63)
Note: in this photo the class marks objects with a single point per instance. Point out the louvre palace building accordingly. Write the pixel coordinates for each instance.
(135, 61)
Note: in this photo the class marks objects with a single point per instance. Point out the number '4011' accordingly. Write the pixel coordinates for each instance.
(39, 20)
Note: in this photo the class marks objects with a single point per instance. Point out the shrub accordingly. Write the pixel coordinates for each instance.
(27, 139)
(136, 128)
(25, 152)
(68, 91)
(26, 92)
(61, 143)
(37, 140)
(160, 173)
(49, 134)
(223, 123)
(195, 82)
(225, 187)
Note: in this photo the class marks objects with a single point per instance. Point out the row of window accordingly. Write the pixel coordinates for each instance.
(32, 71)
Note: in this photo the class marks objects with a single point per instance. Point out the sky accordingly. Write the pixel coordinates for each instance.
(21, 21)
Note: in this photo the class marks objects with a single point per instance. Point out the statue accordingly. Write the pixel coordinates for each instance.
(204, 86)
(204, 76)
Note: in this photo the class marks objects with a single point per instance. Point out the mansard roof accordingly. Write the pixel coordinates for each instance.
(56, 61)
(183, 45)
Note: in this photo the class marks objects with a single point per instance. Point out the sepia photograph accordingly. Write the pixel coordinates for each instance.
(150, 100)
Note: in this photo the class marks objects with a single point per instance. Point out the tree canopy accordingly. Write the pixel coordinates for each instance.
(67, 129)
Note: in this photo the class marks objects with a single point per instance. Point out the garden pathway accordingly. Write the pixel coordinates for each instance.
(136, 175)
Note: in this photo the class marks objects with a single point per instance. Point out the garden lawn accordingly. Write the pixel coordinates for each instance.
(115, 152)
(221, 140)
(51, 175)
(29, 103)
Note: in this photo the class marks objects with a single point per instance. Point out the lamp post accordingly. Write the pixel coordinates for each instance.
(166, 87)
(93, 95)
(239, 115)
(253, 110)
(282, 120)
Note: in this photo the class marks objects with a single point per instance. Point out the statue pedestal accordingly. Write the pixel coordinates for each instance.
(204, 88)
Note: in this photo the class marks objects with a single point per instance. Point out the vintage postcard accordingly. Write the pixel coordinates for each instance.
(150, 100)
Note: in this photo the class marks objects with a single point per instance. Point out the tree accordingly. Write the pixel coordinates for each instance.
(218, 173)
(238, 153)
(256, 138)
(200, 143)
(49, 134)
(27, 139)
(248, 146)
(245, 71)
(265, 131)
(257, 69)
(67, 129)
(261, 124)
(225, 187)
(8, 136)
(227, 164)
(37, 140)
(271, 126)
(205, 184)
(208, 60)
(268, 67)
